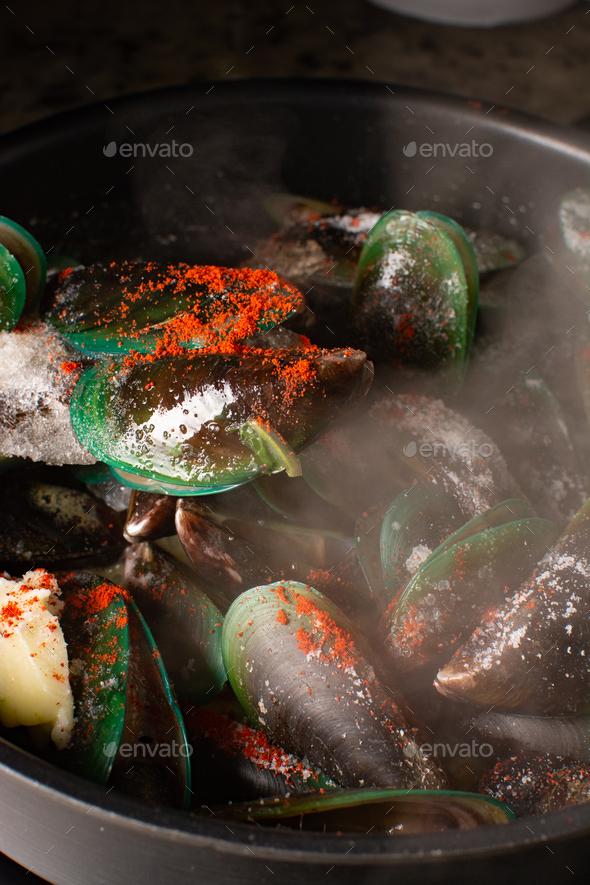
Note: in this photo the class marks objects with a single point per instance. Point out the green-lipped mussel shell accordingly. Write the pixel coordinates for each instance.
(299, 543)
(530, 654)
(119, 308)
(465, 249)
(95, 626)
(300, 673)
(415, 523)
(507, 511)
(30, 257)
(380, 812)
(157, 486)
(12, 290)
(298, 524)
(316, 534)
(410, 303)
(185, 624)
(235, 763)
(445, 599)
(196, 422)
(153, 758)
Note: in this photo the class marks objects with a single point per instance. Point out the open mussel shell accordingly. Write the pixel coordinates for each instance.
(530, 654)
(50, 523)
(443, 602)
(196, 305)
(235, 763)
(380, 812)
(226, 563)
(30, 256)
(419, 525)
(12, 290)
(534, 783)
(195, 422)
(414, 525)
(184, 622)
(94, 622)
(410, 303)
(152, 760)
(302, 677)
(149, 516)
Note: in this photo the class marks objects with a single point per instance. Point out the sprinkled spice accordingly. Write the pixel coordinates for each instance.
(100, 598)
(326, 638)
(234, 738)
(245, 299)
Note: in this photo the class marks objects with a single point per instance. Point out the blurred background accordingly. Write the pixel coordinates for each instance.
(60, 57)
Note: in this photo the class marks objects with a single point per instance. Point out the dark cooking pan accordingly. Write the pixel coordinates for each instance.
(230, 144)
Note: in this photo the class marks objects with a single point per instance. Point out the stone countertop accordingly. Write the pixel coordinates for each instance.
(55, 58)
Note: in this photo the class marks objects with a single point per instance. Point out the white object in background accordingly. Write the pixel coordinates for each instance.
(475, 13)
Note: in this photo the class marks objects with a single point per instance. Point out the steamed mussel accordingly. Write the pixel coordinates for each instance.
(530, 653)
(328, 568)
(197, 425)
(324, 701)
